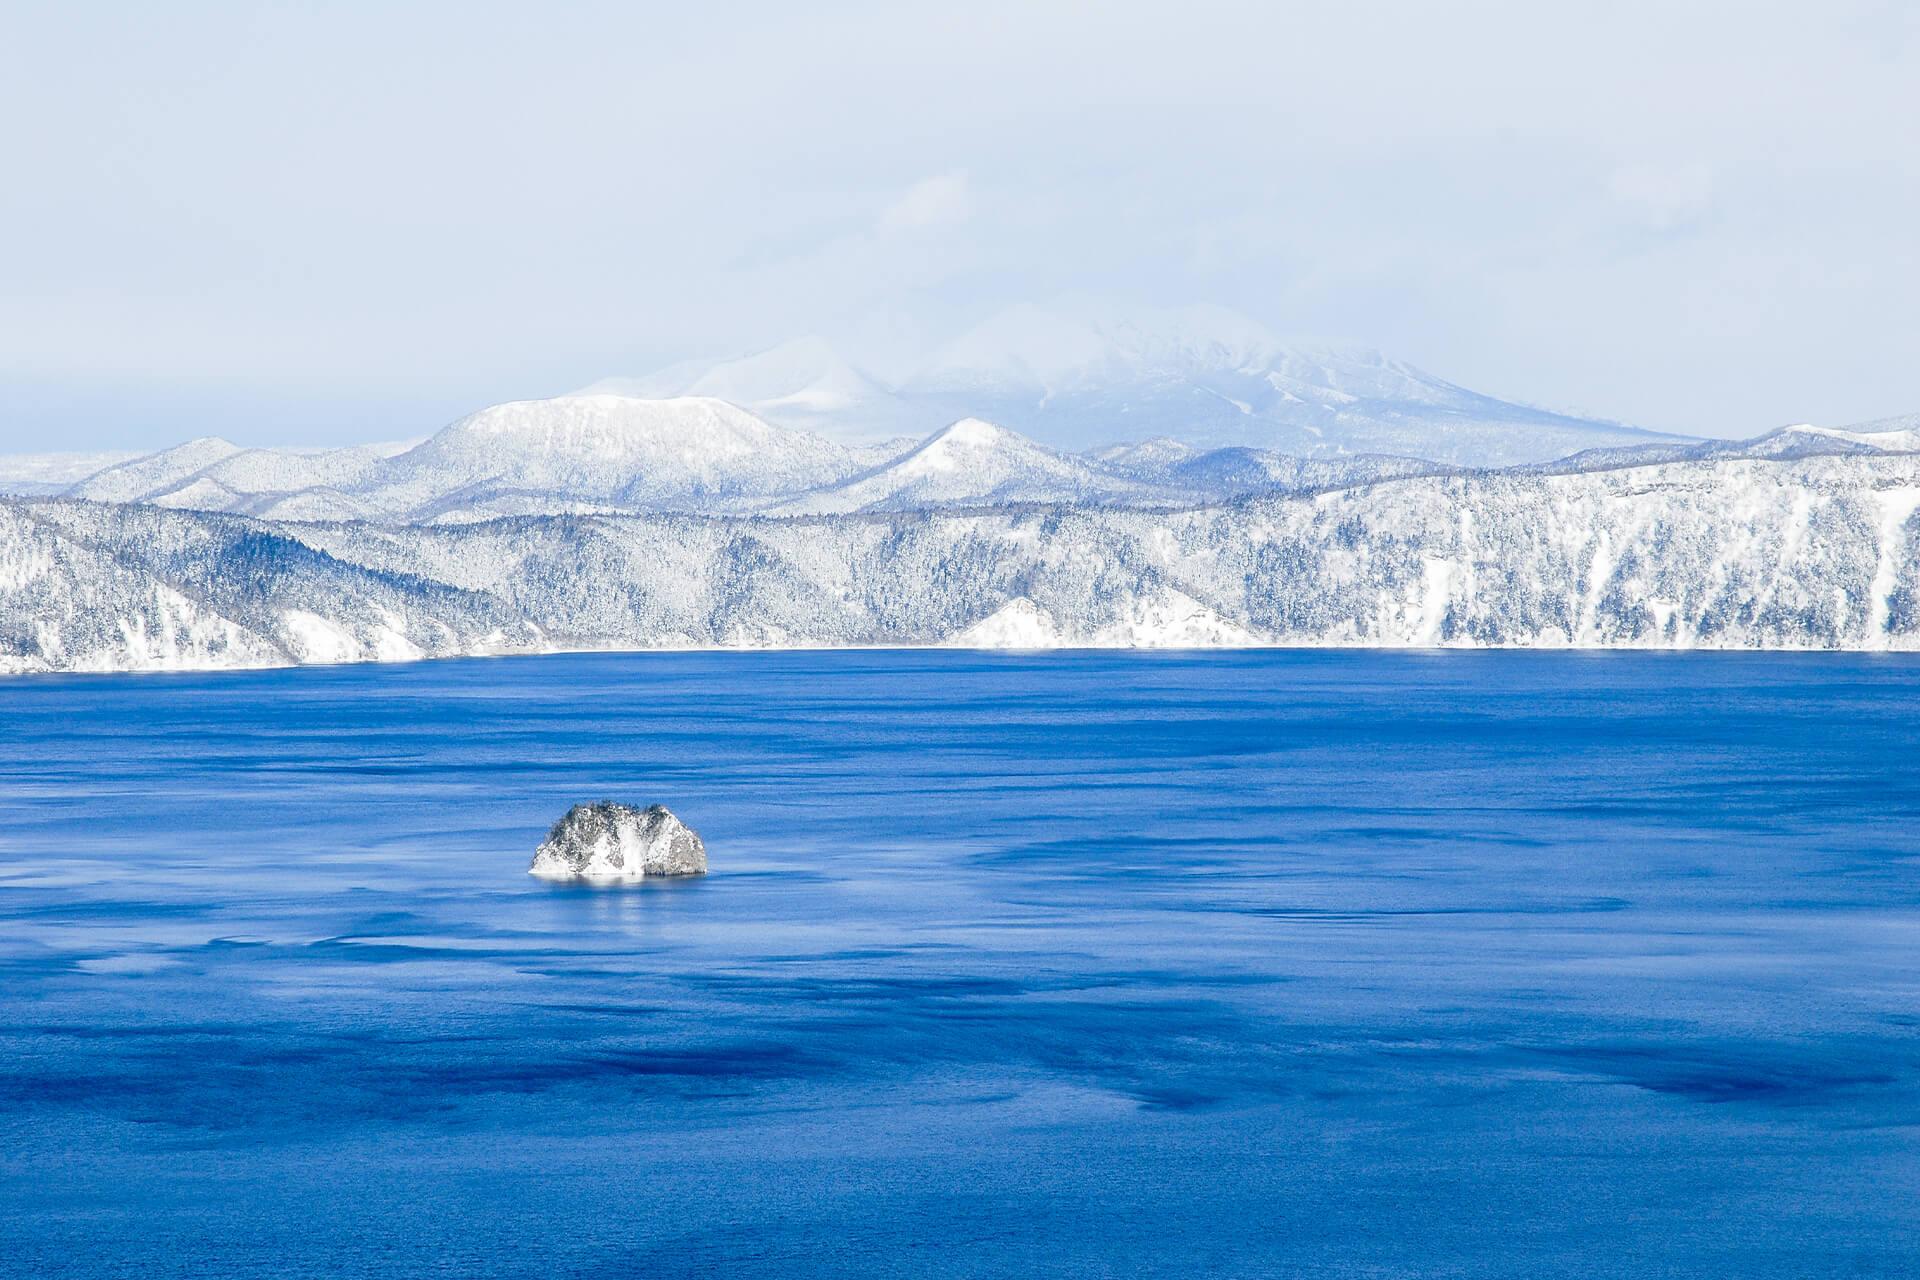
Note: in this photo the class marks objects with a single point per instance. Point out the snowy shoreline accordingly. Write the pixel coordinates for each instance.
(31, 674)
(1734, 553)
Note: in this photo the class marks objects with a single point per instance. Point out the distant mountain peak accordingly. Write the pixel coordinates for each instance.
(970, 462)
(1158, 451)
(1054, 349)
(1076, 375)
(973, 433)
(805, 382)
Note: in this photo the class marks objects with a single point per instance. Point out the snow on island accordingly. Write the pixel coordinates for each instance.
(608, 841)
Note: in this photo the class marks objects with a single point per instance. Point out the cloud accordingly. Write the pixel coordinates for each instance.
(944, 199)
(1636, 214)
(1662, 198)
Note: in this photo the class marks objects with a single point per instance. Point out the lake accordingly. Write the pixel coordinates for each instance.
(1080, 964)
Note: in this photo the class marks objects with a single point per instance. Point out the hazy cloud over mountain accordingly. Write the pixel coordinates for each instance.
(343, 224)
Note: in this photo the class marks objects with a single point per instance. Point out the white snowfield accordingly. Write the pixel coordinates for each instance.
(1765, 551)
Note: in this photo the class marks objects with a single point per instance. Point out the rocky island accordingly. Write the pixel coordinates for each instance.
(608, 841)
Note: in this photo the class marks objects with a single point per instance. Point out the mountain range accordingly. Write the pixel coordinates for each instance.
(602, 452)
(773, 500)
(607, 454)
(1031, 405)
(1082, 378)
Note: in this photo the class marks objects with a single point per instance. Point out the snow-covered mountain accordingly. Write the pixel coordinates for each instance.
(1078, 378)
(1208, 376)
(804, 384)
(1739, 552)
(604, 452)
(576, 453)
(609, 453)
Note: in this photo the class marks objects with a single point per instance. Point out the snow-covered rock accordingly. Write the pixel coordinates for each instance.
(608, 841)
(1017, 624)
(1169, 619)
(1157, 619)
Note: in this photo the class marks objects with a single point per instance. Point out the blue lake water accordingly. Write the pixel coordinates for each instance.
(1330, 964)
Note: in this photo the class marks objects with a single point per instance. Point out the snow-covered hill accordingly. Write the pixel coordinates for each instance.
(603, 451)
(154, 475)
(211, 474)
(1217, 475)
(576, 453)
(1798, 552)
(974, 463)
(1893, 436)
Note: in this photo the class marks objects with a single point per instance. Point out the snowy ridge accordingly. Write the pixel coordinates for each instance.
(1743, 552)
(611, 450)
(608, 454)
(154, 474)
(579, 453)
(1799, 441)
(972, 462)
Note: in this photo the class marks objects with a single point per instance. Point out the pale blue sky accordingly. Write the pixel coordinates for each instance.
(311, 223)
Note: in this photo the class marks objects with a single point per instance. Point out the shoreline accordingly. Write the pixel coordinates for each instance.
(1884, 652)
